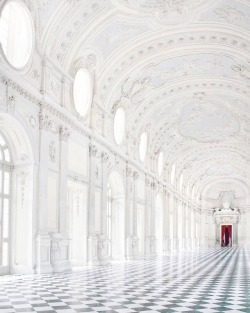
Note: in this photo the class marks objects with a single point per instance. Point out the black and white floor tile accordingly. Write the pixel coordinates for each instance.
(211, 280)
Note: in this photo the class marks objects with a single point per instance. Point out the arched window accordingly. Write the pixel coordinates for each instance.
(82, 91)
(160, 163)
(119, 125)
(16, 33)
(143, 146)
(5, 178)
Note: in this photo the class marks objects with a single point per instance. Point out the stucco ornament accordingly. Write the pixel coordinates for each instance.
(207, 122)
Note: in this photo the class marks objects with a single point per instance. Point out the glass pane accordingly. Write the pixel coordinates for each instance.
(16, 33)
(6, 155)
(5, 259)
(6, 183)
(2, 141)
(6, 218)
(82, 91)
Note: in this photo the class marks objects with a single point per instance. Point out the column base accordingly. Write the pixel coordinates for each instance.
(43, 262)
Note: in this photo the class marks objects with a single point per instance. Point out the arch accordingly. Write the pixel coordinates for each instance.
(21, 195)
(115, 215)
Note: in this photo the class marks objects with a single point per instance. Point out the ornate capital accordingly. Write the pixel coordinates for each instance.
(44, 122)
(92, 151)
(63, 133)
(135, 175)
(105, 157)
(129, 171)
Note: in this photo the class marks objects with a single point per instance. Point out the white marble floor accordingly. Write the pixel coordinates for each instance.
(208, 280)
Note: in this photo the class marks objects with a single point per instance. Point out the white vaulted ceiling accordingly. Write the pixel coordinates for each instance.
(179, 68)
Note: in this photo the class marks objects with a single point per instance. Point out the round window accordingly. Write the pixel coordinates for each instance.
(119, 125)
(160, 163)
(16, 33)
(143, 146)
(82, 91)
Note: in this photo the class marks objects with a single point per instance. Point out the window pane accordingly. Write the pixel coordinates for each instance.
(16, 33)
(6, 155)
(6, 218)
(2, 141)
(5, 251)
(82, 91)
(6, 183)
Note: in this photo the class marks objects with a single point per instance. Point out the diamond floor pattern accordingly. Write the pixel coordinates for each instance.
(209, 280)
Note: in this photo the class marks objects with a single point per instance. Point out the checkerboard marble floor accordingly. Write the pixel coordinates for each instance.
(211, 280)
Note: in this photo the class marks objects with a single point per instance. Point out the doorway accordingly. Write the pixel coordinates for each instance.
(226, 235)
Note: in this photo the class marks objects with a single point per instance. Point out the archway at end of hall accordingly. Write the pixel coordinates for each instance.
(115, 215)
(16, 197)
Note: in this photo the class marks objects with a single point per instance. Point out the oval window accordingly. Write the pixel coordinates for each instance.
(160, 163)
(16, 33)
(119, 125)
(82, 91)
(143, 146)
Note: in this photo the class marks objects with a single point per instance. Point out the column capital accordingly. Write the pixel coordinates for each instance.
(92, 150)
(63, 133)
(135, 175)
(44, 122)
(129, 171)
(105, 157)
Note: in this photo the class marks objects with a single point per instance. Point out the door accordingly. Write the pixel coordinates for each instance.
(226, 235)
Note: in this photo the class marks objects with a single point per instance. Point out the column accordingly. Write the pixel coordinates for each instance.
(43, 260)
(92, 237)
(189, 243)
(103, 240)
(184, 225)
(148, 212)
(153, 237)
(166, 221)
(129, 218)
(176, 228)
(104, 192)
(60, 243)
(135, 236)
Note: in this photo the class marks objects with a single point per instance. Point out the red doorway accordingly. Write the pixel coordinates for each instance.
(226, 235)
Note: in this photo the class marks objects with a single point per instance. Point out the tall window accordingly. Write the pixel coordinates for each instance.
(82, 91)
(16, 32)
(5, 167)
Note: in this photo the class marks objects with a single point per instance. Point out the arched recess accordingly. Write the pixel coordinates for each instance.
(159, 223)
(115, 215)
(19, 201)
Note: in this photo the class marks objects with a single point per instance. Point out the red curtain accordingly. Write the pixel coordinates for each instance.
(223, 239)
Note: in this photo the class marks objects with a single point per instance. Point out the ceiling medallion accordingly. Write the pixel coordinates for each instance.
(206, 121)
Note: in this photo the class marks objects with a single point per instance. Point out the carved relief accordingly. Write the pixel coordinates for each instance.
(52, 152)
(230, 14)
(207, 122)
